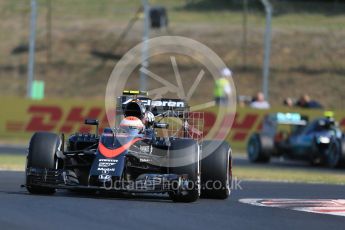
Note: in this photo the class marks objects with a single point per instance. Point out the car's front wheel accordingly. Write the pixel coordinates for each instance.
(42, 155)
(259, 148)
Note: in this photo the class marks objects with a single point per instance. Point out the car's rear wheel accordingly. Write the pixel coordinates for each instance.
(184, 159)
(216, 171)
(42, 155)
(258, 148)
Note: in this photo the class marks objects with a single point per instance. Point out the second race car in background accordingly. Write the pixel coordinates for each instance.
(291, 135)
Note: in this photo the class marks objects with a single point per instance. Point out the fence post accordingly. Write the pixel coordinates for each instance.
(244, 29)
(144, 52)
(31, 62)
(49, 31)
(267, 47)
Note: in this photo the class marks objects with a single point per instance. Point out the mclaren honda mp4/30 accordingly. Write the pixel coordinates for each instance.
(156, 146)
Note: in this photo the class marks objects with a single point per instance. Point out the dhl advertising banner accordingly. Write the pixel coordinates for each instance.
(20, 118)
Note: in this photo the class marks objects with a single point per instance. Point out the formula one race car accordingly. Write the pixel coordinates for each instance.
(292, 136)
(143, 153)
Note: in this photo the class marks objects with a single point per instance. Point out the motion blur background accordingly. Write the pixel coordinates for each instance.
(77, 44)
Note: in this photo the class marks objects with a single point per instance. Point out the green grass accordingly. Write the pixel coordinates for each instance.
(307, 175)
(12, 162)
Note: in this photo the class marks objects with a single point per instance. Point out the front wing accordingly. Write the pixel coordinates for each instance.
(145, 183)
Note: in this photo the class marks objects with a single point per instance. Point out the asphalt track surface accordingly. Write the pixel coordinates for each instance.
(13, 149)
(66, 210)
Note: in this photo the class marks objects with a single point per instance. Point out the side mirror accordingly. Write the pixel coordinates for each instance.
(92, 122)
(161, 125)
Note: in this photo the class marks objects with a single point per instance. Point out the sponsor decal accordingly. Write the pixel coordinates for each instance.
(320, 206)
(179, 104)
(164, 103)
(108, 160)
(145, 148)
(145, 160)
(105, 164)
(104, 177)
(106, 170)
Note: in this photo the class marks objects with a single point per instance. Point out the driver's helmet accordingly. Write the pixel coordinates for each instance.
(149, 118)
(132, 125)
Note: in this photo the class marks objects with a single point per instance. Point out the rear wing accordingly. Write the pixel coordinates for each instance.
(288, 118)
(163, 106)
(273, 120)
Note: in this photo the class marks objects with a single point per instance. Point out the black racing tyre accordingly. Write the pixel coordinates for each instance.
(216, 171)
(185, 151)
(259, 148)
(42, 154)
(334, 154)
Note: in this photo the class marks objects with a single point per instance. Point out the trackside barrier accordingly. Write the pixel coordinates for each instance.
(19, 118)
